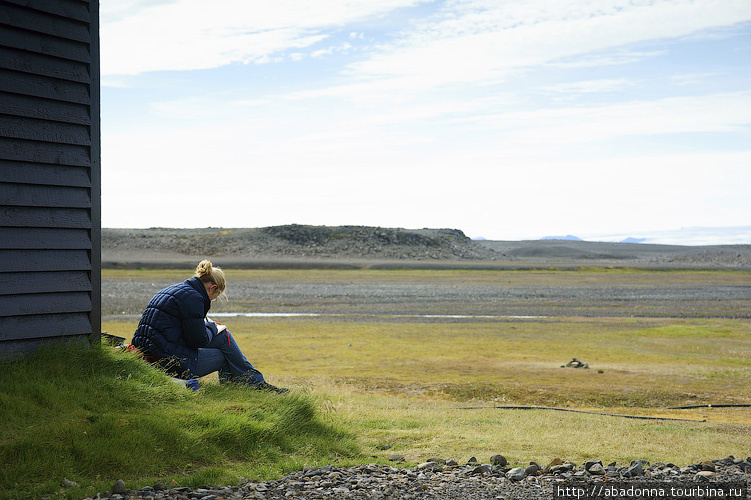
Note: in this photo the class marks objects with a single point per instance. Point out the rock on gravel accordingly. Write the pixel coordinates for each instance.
(454, 482)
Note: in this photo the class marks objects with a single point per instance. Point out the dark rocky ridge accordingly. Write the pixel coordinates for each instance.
(296, 244)
(348, 242)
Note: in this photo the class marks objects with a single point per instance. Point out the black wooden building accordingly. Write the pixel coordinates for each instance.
(50, 167)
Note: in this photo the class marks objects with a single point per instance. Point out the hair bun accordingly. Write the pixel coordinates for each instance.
(204, 268)
(207, 273)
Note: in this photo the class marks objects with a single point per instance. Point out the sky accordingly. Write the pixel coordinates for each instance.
(506, 119)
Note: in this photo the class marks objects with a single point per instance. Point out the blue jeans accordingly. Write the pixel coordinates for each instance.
(223, 355)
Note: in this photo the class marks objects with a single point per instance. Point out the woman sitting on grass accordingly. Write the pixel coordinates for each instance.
(175, 333)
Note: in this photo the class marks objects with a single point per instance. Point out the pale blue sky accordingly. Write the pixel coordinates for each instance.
(505, 119)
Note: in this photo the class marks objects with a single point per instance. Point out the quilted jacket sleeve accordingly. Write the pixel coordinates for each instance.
(192, 323)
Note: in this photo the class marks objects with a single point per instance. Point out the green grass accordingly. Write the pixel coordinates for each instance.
(94, 415)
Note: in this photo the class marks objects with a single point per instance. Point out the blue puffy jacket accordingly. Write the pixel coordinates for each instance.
(173, 323)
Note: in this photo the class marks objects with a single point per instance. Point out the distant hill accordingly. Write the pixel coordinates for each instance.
(302, 245)
(568, 237)
(294, 241)
(732, 235)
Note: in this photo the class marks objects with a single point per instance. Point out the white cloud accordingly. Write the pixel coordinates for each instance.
(693, 78)
(714, 113)
(331, 50)
(251, 102)
(613, 57)
(113, 10)
(194, 34)
(588, 86)
(467, 40)
(483, 41)
(486, 43)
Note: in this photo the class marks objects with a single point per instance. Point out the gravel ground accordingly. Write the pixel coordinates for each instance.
(517, 293)
(447, 480)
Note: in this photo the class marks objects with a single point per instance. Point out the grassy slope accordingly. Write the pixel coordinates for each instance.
(96, 415)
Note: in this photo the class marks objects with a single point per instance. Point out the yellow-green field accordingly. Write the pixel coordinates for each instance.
(406, 383)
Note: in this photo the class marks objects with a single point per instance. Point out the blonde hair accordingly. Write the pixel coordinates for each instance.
(207, 273)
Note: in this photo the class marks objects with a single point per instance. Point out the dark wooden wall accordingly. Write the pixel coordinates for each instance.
(50, 217)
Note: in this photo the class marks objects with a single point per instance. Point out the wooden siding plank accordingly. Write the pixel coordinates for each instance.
(17, 127)
(44, 237)
(51, 24)
(30, 195)
(45, 326)
(42, 86)
(44, 152)
(20, 348)
(36, 173)
(44, 44)
(45, 303)
(44, 109)
(38, 64)
(45, 217)
(74, 10)
(44, 282)
(44, 260)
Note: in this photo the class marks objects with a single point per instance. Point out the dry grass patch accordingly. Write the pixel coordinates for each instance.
(419, 428)
(680, 362)
(633, 363)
